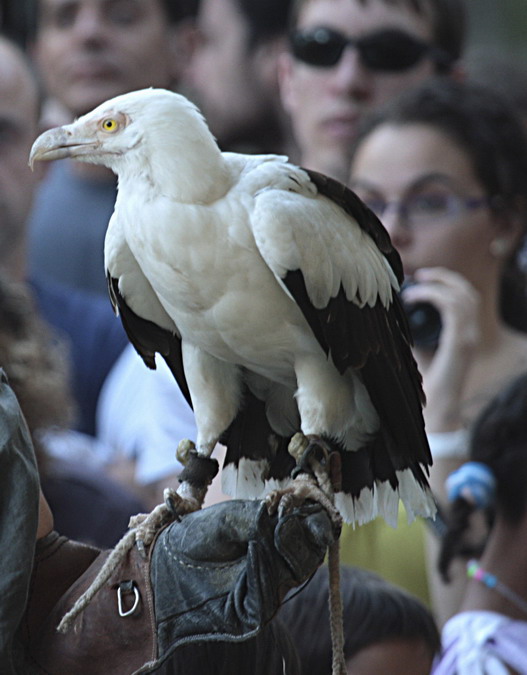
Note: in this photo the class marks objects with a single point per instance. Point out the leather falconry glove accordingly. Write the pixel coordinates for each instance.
(217, 575)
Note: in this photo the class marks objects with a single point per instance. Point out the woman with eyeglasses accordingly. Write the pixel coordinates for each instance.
(445, 169)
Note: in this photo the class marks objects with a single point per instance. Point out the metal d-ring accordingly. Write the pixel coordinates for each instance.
(127, 587)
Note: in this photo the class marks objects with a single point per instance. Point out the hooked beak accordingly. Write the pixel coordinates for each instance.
(59, 143)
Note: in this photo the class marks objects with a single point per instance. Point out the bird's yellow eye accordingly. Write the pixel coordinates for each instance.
(110, 125)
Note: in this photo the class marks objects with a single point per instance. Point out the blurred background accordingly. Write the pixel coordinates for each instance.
(497, 27)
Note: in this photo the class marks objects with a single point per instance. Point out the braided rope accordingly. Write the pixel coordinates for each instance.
(336, 616)
(195, 479)
(143, 528)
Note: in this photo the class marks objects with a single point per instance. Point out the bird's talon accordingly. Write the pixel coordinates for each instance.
(297, 446)
(184, 450)
(272, 501)
(172, 500)
(285, 505)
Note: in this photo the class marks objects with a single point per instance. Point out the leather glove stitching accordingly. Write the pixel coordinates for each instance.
(195, 566)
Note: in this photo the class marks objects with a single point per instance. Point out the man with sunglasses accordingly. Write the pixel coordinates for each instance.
(347, 57)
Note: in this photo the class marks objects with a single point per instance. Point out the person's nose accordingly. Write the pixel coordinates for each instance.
(396, 224)
(89, 24)
(350, 76)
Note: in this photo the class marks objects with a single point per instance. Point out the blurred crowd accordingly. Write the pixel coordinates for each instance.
(374, 93)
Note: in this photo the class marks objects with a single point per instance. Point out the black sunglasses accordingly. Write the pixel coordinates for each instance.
(387, 50)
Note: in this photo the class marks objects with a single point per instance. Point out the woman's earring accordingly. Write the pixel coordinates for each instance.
(499, 247)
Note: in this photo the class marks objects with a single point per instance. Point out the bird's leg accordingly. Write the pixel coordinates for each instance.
(195, 479)
(215, 388)
(315, 477)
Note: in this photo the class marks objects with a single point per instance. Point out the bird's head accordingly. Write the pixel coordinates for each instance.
(150, 129)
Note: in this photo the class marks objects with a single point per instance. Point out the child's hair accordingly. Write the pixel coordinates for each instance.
(271, 652)
(495, 480)
(375, 610)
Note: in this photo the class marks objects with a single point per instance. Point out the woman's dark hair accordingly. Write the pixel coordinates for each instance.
(374, 611)
(498, 440)
(491, 134)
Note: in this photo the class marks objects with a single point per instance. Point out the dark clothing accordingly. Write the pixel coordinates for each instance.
(87, 505)
(94, 335)
(19, 494)
(67, 227)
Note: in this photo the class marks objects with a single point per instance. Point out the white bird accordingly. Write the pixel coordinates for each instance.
(270, 290)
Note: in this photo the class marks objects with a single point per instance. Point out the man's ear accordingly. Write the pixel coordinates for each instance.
(266, 58)
(285, 79)
(183, 41)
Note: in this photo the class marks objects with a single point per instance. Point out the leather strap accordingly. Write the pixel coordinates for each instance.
(114, 634)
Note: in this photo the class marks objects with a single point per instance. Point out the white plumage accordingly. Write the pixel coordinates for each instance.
(271, 292)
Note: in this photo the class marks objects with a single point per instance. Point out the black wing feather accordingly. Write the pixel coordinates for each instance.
(149, 338)
(251, 436)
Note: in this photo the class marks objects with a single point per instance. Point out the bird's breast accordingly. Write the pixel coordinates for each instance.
(208, 275)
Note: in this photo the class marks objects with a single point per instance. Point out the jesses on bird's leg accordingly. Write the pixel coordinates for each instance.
(195, 478)
(316, 477)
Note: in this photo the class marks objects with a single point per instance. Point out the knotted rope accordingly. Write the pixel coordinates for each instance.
(195, 478)
(317, 478)
(143, 527)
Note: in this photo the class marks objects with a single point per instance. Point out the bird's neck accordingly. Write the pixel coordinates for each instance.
(190, 178)
(198, 180)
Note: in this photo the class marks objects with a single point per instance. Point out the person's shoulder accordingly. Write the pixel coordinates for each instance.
(80, 313)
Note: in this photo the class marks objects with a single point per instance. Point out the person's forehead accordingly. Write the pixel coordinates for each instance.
(357, 16)
(17, 86)
(215, 14)
(52, 5)
(397, 656)
(396, 157)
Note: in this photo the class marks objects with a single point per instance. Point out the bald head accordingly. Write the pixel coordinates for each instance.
(19, 112)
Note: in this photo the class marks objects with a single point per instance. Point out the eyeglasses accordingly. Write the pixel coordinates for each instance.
(386, 50)
(427, 209)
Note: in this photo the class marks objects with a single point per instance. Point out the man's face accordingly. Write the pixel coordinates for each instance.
(91, 50)
(18, 130)
(224, 75)
(326, 103)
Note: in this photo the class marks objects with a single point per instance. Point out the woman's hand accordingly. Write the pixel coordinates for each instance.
(445, 369)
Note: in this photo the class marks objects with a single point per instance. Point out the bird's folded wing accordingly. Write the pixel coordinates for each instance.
(332, 248)
(336, 261)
